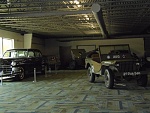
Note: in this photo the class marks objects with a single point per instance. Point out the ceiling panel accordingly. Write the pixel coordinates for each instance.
(66, 18)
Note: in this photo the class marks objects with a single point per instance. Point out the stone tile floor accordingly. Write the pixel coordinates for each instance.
(70, 92)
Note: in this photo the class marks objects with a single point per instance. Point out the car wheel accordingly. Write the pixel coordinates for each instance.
(21, 76)
(91, 75)
(142, 81)
(109, 78)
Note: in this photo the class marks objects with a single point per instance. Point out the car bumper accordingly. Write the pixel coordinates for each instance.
(10, 72)
(137, 73)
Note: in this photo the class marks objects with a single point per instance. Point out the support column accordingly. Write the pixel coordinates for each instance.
(28, 40)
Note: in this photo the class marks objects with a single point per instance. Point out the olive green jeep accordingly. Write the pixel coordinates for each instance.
(115, 63)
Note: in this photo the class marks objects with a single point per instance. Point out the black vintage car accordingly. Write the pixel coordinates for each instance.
(20, 63)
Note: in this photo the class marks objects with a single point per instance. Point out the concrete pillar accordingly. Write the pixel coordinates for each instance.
(28, 40)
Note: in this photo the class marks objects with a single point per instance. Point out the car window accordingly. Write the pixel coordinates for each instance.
(10, 54)
(38, 54)
(22, 53)
(7, 54)
(30, 54)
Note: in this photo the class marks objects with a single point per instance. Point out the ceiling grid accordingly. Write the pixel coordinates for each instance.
(74, 18)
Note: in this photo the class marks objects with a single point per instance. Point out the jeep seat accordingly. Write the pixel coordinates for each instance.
(95, 57)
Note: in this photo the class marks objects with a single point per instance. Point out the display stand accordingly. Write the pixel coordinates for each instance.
(1, 74)
(34, 75)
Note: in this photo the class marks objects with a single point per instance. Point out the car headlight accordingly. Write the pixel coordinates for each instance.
(117, 65)
(92, 68)
(137, 63)
(13, 63)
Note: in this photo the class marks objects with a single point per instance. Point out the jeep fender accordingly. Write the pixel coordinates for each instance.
(113, 68)
(87, 65)
(103, 69)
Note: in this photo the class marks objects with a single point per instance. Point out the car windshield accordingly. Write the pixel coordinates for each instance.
(15, 54)
(108, 49)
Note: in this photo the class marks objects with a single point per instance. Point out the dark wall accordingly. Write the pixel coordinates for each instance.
(65, 56)
(147, 47)
(147, 44)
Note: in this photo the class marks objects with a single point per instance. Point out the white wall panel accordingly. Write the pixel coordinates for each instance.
(18, 38)
(136, 44)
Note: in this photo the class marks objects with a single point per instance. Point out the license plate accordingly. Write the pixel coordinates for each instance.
(131, 73)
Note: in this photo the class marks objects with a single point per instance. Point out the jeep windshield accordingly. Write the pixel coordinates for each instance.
(15, 54)
(111, 52)
(108, 49)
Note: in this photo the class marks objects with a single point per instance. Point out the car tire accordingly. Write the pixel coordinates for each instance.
(21, 76)
(109, 78)
(142, 81)
(91, 75)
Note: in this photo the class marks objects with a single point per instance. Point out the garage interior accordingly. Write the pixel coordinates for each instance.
(54, 25)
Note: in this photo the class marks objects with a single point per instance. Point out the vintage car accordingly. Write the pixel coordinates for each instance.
(20, 63)
(77, 59)
(116, 64)
(53, 62)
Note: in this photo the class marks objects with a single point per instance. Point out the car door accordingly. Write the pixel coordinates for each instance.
(31, 61)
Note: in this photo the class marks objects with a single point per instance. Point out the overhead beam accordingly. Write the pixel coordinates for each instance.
(52, 13)
(12, 30)
(96, 37)
(97, 12)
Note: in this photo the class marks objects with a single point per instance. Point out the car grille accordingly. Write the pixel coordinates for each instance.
(6, 69)
(128, 66)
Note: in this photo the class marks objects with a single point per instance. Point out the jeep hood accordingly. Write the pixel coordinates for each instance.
(111, 62)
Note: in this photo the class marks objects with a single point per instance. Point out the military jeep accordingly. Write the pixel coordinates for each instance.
(116, 64)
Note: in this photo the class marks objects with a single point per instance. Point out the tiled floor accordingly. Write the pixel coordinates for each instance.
(70, 92)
